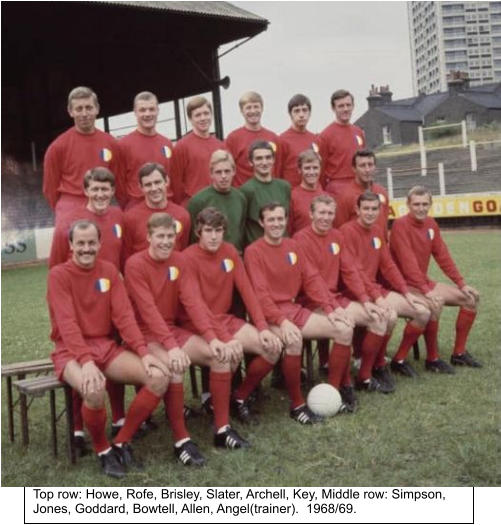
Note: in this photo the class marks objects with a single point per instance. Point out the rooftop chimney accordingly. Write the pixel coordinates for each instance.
(457, 81)
(379, 96)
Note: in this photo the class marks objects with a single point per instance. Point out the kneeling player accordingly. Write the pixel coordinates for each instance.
(365, 240)
(279, 270)
(86, 300)
(219, 270)
(158, 278)
(414, 239)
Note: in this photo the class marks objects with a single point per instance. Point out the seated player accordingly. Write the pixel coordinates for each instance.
(87, 299)
(279, 270)
(414, 239)
(309, 166)
(365, 240)
(159, 279)
(223, 196)
(154, 182)
(220, 271)
(325, 249)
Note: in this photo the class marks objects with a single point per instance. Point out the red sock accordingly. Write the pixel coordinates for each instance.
(381, 355)
(411, 335)
(174, 410)
(464, 323)
(116, 393)
(358, 339)
(256, 371)
(77, 411)
(370, 348)
(95, 421)
(291, 368)
(220, 387)
(340, 355)
(346, 379)
(431, 339)
(140, 409)
(323, 351)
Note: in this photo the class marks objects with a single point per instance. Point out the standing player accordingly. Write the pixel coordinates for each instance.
(220, 272)
(143, 145)
(87, 299)
(76, 151)
(153, 182)
(365, 240)
(190, 162)
(223, 196)
(308, 166)
(262, 188)
(279, 270)
(364, 168)
(158, 280)
(297, 138)
(239, 141)
(414, 239)
(338, 143)
(325, 249)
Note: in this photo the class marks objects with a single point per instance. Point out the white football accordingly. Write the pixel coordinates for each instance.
(324, 400)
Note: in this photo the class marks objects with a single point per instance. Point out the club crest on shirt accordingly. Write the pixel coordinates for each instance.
(376, 243)
(227, 265)
(178, 226)
(172, 273)
(359, 140)
(167, 152)
(105, 154)
(292, 258)
(334, 248)
(431, 234)
(273, 146)
(102, 285)
(382, 199)
(117, 231)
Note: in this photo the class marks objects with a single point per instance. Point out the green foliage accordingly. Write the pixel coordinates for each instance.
(433, 431)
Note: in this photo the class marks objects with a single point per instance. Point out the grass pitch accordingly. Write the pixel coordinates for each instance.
(433, 431)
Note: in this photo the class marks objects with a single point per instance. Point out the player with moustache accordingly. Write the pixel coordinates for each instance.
(325, 249)
(143, 145)
(297, 138)
(365, 240)
(159, 281)
(87, 300)
(76, 151)
(415, 238)
(279, 270)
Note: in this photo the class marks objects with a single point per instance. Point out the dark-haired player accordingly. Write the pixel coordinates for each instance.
(416, 237)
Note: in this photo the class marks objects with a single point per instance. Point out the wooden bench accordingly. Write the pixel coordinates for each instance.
(37, 387)
(20, 371)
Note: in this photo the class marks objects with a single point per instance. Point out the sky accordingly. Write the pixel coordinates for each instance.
(312, 48)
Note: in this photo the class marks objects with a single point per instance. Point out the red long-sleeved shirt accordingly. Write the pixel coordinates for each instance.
(293, 143)
(190, 170)
(370, 251)
(88, 303)
(300, 207)
(412, 243)
(278, 273)
(238, 143)
(338, 143)
(71, 155)
(135, 226)
(111, 226)
(328, 255)
(218, 273)
(347, 200)
(137, 149)
(157, 288)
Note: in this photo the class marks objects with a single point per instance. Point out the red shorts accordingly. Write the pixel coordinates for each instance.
(343, 301)
(295, 313)
(230, 322)
(104, 351)
(180, 335)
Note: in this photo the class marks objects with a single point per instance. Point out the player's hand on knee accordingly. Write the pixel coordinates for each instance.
(150, 363)
(290, 333)
(271, 343)
(177, 361)
(93, 379)
(435, 303)
(472, 295)
(339, 316)
(236, 351)
(415, 302)
(375, 312)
